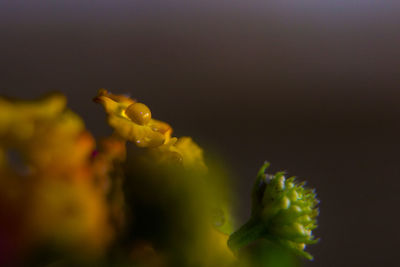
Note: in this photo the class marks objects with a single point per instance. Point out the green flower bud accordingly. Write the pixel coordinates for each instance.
(282, 210)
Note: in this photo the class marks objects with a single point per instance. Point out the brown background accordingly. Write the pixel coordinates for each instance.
(312, 86)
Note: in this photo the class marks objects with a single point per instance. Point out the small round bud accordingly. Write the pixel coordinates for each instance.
(305, 219)
(289, 185)
(295, 209)
(294, 229)
(293, 195)
(138, 113)
(285, 203)
(280, 182)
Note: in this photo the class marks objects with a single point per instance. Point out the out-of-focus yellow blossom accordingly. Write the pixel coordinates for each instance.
(19, 118)
(109, 176)
(49, 175)
(71, 215)
(44, 133)
(133, 122)
(216, 251)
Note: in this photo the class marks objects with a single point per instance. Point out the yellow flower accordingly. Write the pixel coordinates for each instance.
(53, 143)
(18, 119)
(48, 175)
(132, 120)
(44, 133)
(70, 215)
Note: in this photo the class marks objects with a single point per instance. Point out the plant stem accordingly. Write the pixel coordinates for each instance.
(249, 232)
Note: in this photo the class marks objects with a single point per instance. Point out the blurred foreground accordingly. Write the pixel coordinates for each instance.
(150, 202)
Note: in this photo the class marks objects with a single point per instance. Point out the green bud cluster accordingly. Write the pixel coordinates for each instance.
(283, 210)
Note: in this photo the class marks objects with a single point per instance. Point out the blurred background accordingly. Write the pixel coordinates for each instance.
(311, 86)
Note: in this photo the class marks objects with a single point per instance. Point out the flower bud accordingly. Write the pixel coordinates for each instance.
(282, 210)
(295, 219)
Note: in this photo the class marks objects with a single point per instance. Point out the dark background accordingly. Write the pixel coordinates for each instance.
(312, 86)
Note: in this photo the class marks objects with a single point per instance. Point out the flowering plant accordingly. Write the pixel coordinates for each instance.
(139, 197)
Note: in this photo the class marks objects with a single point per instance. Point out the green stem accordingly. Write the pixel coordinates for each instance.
(249, 232)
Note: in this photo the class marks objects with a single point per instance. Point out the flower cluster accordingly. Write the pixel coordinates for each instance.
(67, 199)
(51, 190)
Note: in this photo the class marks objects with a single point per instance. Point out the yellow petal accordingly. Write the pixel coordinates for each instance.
(161, 127)
(142, 136)
(122, 99)
(112, 107)
(192, 154)
(18, 118)
(124, 115)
